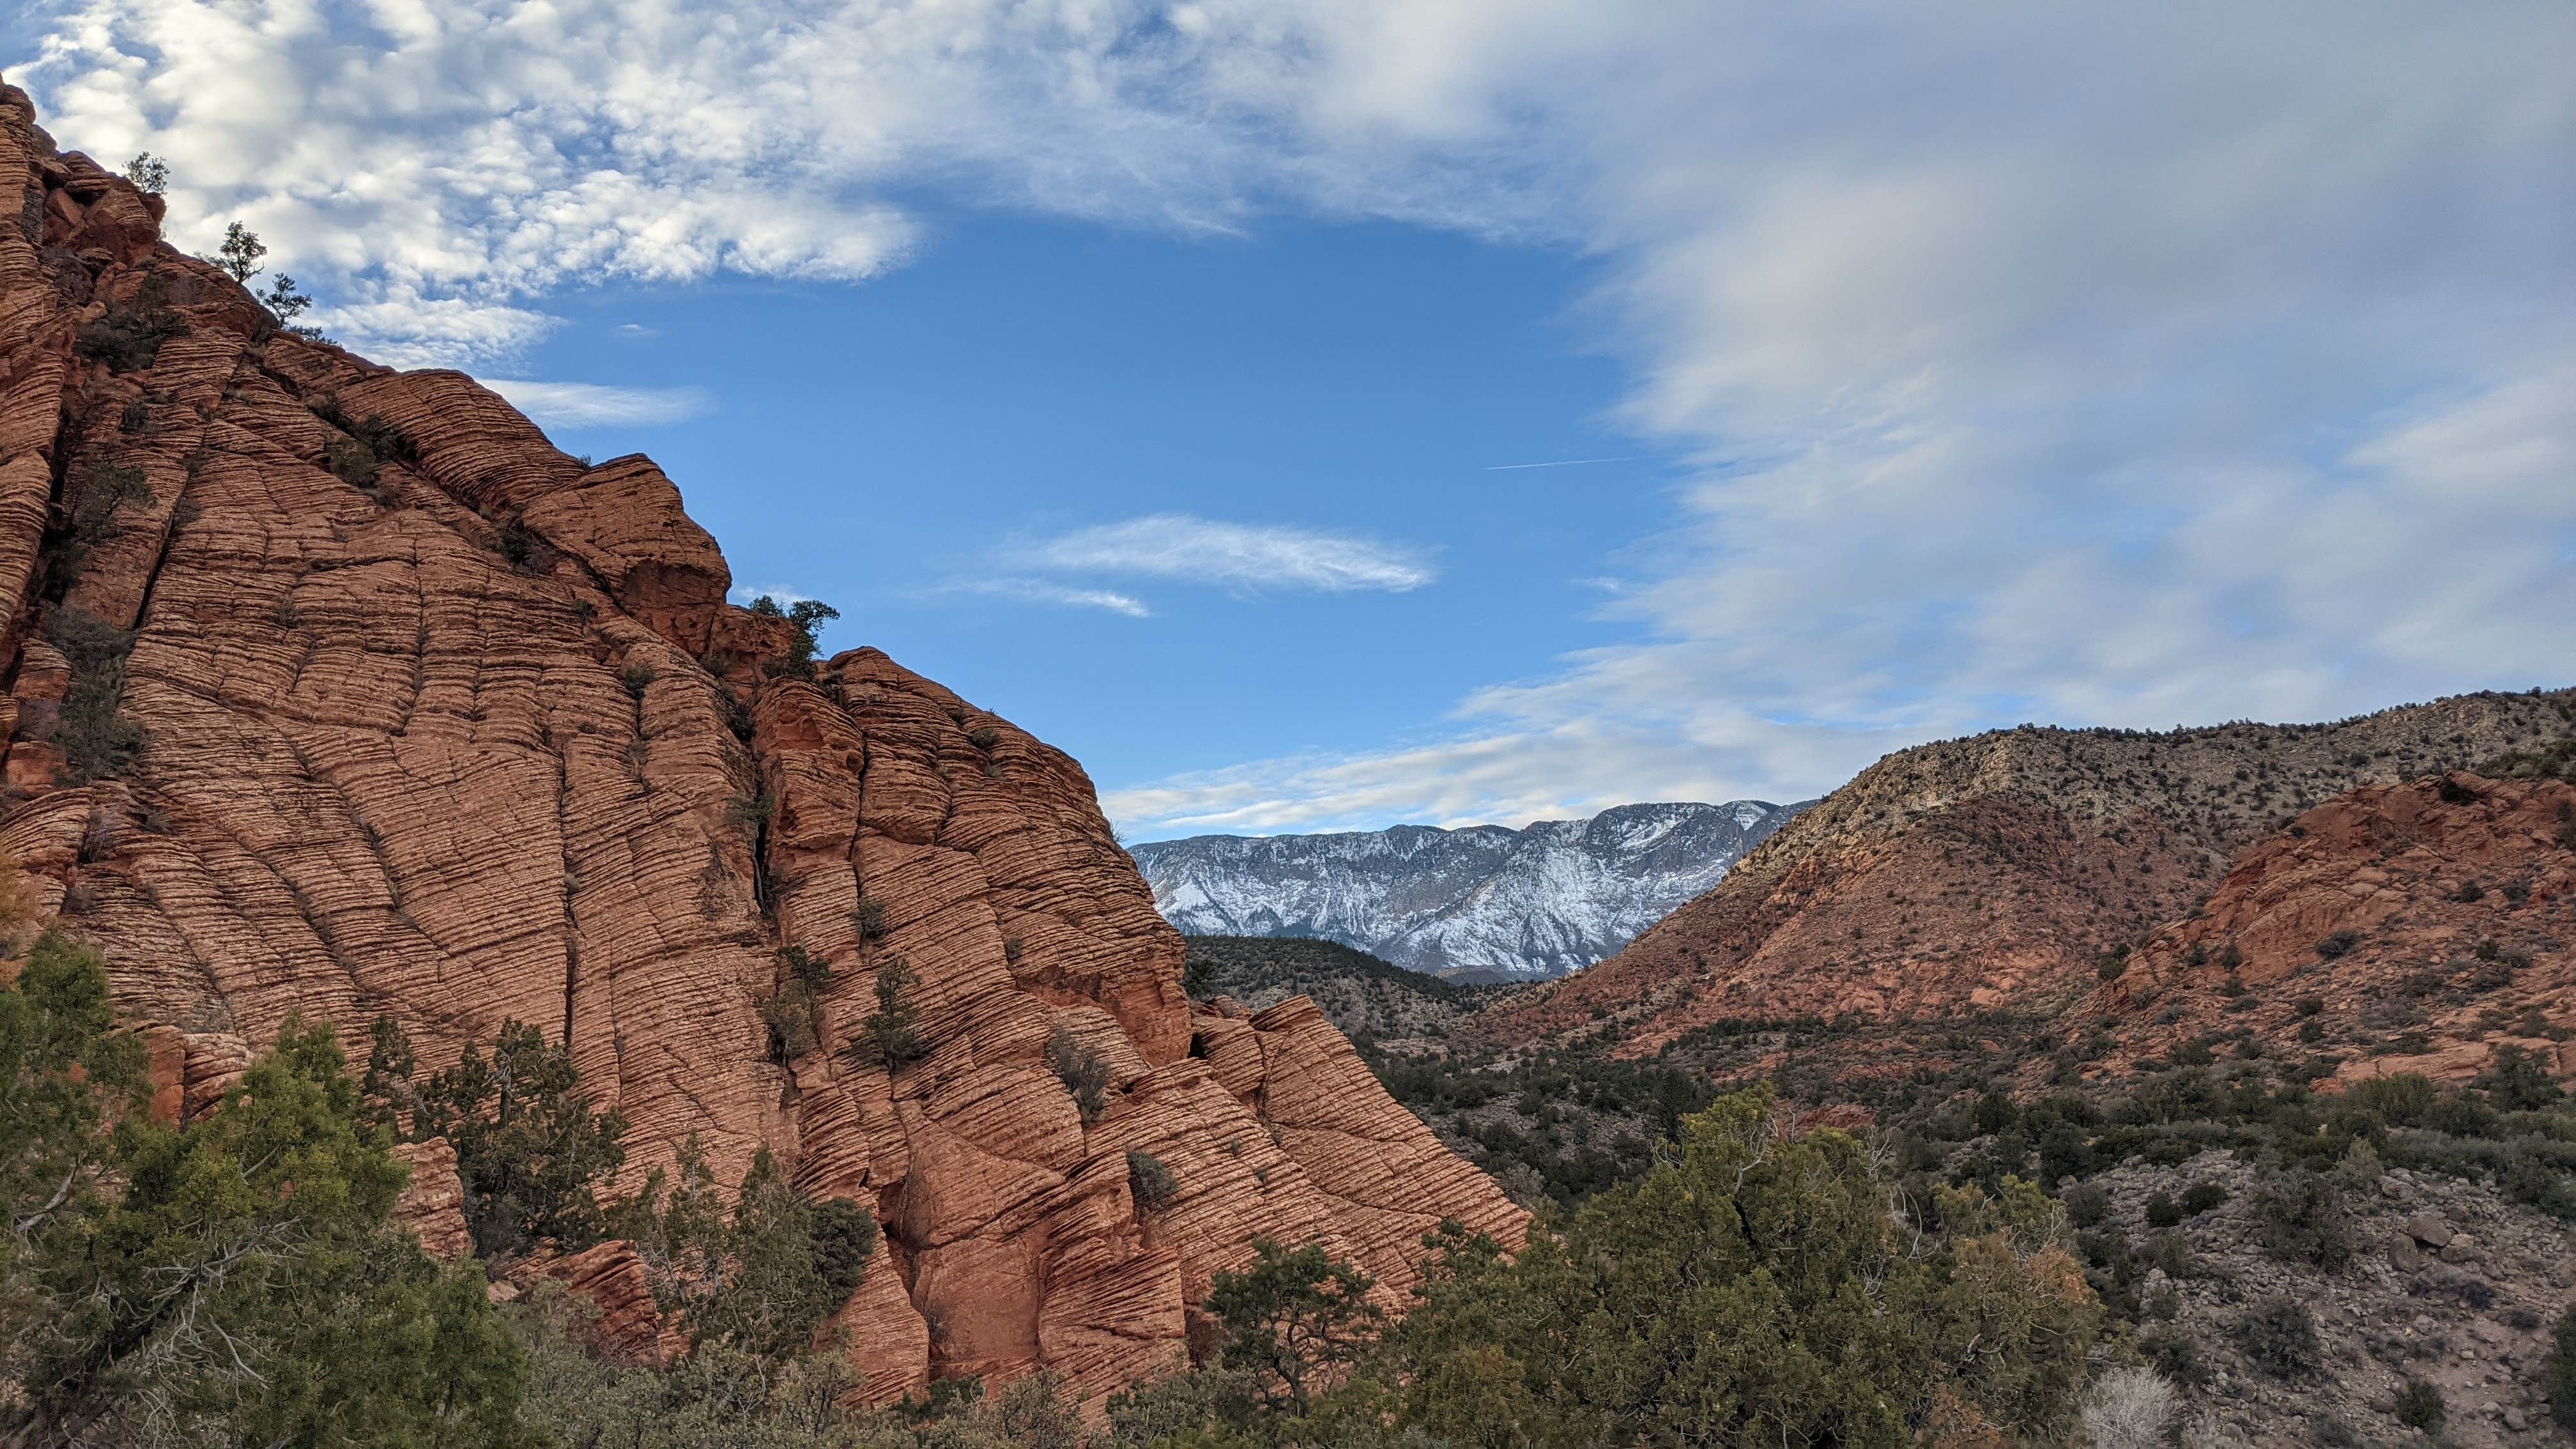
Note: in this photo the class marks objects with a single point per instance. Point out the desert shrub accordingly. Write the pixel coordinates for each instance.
(523, 548)
(1995, 1113)
(789, 1014)
(2129, 1408)
(97, 738)
(2402, 1100)
(128, 338)
(983, 737)
(2515, 1082)
(1150, 1181)
(530, 1149)
(2200, 1197)
(2086, 1203)
(808, 616)
(869, 920)
(803, 965)
(2300, 1217)
(149, 173)
(2419, 1406)
(637, 678)
(2558, 1371)
(352, 461)
(890, 1037)
(1736, 1266)
(1082, 1071)
(2280, 1338)
(2338, 945)
(1198, 977)
(2174, 1353)
(2162, 1210)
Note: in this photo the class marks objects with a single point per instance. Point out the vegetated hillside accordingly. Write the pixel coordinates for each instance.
(1366, 999)
(2399, 928)
(1988, 875)
(335, 691)
(1484, 903)
(1552, 1125)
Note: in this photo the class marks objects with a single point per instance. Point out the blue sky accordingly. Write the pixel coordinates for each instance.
(1149, 371)
(898, 448)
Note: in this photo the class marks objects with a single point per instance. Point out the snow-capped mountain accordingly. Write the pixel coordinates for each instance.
(1487, 901)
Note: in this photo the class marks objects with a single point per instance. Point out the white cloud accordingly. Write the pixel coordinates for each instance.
(591, 405)
(1044, 591)
(1237, 555)
(2120, 364)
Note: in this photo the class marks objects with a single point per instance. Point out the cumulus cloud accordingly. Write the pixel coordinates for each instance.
(2095, 364)
(1236, 555)
(590, 405)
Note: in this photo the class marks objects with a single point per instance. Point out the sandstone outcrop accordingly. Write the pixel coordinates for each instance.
(2399, 928)
(1986, 877)
(337, 690)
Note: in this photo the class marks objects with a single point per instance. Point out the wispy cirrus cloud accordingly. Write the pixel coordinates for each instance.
(592, 405)
(1047, 591)
(1249, 556)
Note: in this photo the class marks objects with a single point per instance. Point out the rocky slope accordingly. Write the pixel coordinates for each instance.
(337, 690)
(1989, 875)
(2398, 928)
(1484, 903)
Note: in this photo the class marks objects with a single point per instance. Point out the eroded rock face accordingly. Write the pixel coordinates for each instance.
(1986, 876)
(445, 723)
(2399, 928)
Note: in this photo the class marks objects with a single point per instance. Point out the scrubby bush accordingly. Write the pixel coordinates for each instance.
(891, 1036)
(2086, 1203)
(2300, 1217)
(128, 338)
(2201, 1197)
(1082, 1071)
(2162, 1210)
(2129, 1408)
(2280, 1338)
(530, 1149)
(1151, 1183)
(2419, 1406)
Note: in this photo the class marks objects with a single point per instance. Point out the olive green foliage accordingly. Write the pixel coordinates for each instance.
(1150, 1181)
(2558, 1373)
(890, 1037)
(244, 1285)
(808, 616)
(97, 738)
(776, 1295)
(367, 444)
(1753, 1288)
(2300, 1217)
(1295, 1321)
(1082, 1071)
(2280, 1337)
(722, 1397)
(529, 1148)
(2419, 1406)
(64, 1075)
(128, 338)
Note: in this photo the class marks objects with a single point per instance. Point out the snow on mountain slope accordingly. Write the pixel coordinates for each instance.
(1486, 900)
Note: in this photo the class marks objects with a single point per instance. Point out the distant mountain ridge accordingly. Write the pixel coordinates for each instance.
(1482, 903)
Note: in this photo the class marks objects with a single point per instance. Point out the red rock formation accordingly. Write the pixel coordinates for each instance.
(622, 1321)
(1988, 875)
(447, 723)
(2401, 928)
(432, 1204)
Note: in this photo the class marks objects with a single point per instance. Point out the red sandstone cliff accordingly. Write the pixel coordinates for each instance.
(444, 722)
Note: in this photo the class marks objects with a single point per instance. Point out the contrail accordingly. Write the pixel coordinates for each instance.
(1568, 463)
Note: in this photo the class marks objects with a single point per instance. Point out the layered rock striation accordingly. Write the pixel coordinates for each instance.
(336, 690)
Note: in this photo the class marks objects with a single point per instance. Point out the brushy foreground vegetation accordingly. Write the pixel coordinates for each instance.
(238, 1280)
